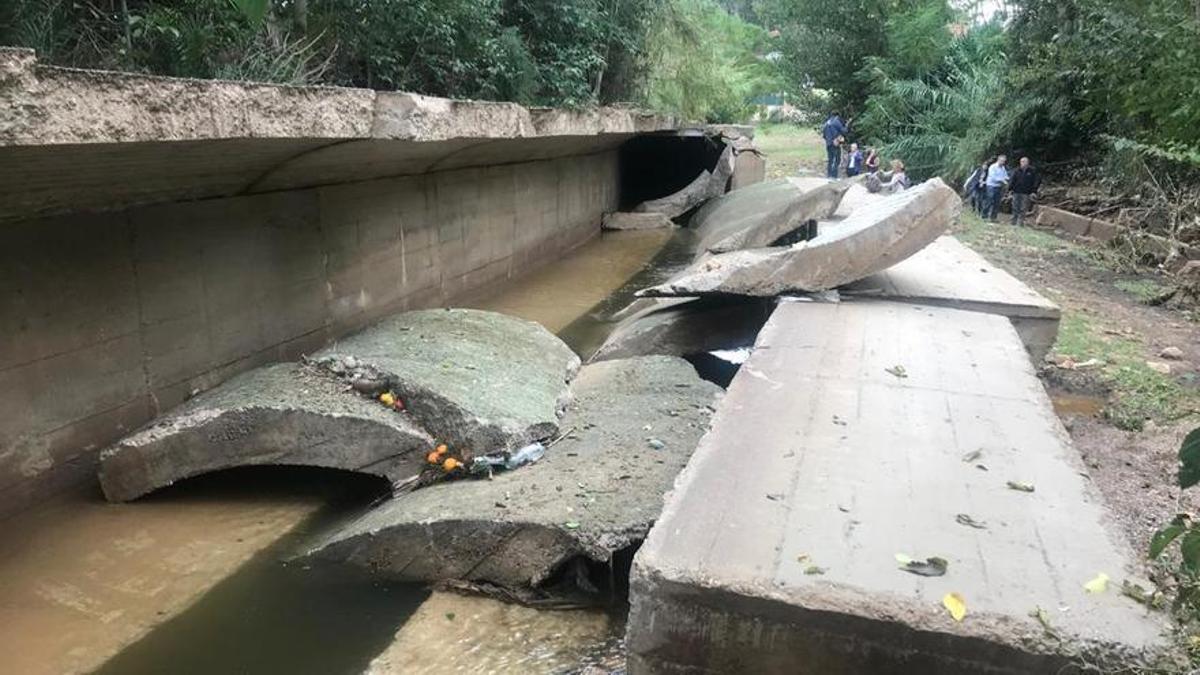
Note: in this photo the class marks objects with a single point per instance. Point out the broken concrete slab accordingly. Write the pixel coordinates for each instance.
(286, 414)
(948, 274)
(631, 427)
(480, 381)
(619, 220)
(707, 185)
(872, 238)
(875, 427)
(819, 203)
(735, 211)
(686, 326)
(857, 196)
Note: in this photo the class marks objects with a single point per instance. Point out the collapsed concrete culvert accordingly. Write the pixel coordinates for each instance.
(816, 204)
(479, 381)
(873, 238)
(684, 326)
(285, 414)
(630, 428)
(707, 185)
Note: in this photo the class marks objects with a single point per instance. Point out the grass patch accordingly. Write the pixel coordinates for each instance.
(789, 147)
(1140, 393)
(1145, 290)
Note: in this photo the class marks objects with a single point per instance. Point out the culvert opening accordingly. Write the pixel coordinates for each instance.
(655, 166)
(271, 483)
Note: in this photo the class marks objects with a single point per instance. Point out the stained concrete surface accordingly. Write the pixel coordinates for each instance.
(286, 414)
(738, 210)
(597, 491)
(872, 238)
(776, 549)
(820, 203)
(948, 274)
(636, 221)
(480, 381)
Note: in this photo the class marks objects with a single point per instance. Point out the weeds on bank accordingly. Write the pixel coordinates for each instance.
(789, 147)
(1140, 393)
(1146, 291)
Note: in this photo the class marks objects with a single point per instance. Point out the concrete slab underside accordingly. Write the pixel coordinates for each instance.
(819, 456)
(948, 274)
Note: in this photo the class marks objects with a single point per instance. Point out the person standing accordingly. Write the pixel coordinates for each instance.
(1024, 184)
(975, 189)
(834, 129)
(997, 178)
(855, 161)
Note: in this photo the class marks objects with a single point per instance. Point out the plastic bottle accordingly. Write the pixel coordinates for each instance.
(526, 455)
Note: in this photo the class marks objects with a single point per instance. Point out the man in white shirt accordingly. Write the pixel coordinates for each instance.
(997, 178)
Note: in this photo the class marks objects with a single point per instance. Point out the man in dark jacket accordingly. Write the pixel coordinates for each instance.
(1024, 184)
(833, 130)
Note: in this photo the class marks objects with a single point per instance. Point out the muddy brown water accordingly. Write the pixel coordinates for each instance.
(192, 579)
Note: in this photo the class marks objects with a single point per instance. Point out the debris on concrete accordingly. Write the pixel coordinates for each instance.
(478, 381)
(707, 185)
(281, 414)
(948, 274)
(716, 581)
(621, 220)
(871, 239)
(596, 492)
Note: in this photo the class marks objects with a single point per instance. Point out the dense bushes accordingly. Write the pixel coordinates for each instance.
(686, 56)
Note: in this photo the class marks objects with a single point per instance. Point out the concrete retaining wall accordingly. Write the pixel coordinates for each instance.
(111, 318)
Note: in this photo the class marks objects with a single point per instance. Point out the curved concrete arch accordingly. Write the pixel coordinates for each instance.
(279, 415)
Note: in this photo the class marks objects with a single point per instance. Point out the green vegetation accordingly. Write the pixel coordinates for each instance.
(690, 57)
(1145, 290)
(789, 148)
(1140, 393)
(1106, 89)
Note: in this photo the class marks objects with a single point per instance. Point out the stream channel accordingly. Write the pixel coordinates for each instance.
(193, 579)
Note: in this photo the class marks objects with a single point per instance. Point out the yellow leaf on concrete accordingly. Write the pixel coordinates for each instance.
(954, 603)
(1097, 585)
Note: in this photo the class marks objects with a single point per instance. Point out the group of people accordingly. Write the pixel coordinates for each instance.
(834, 133)
(985, 188)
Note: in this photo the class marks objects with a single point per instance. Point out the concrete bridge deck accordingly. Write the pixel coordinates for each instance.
(776, 552)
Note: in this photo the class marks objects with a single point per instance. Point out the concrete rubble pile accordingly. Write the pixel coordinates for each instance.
(478, 381)
(630, 428)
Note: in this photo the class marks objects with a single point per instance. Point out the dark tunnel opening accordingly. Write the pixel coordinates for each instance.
(655, 166)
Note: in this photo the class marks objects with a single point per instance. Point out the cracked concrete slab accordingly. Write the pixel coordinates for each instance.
(820, 203)
(596, 491)
(740, 209)
(872, 238)
(480, 381)
(948, 274)
(776, 549)
(286, 414)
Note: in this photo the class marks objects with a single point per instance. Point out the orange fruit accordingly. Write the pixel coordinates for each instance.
(450, 464)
